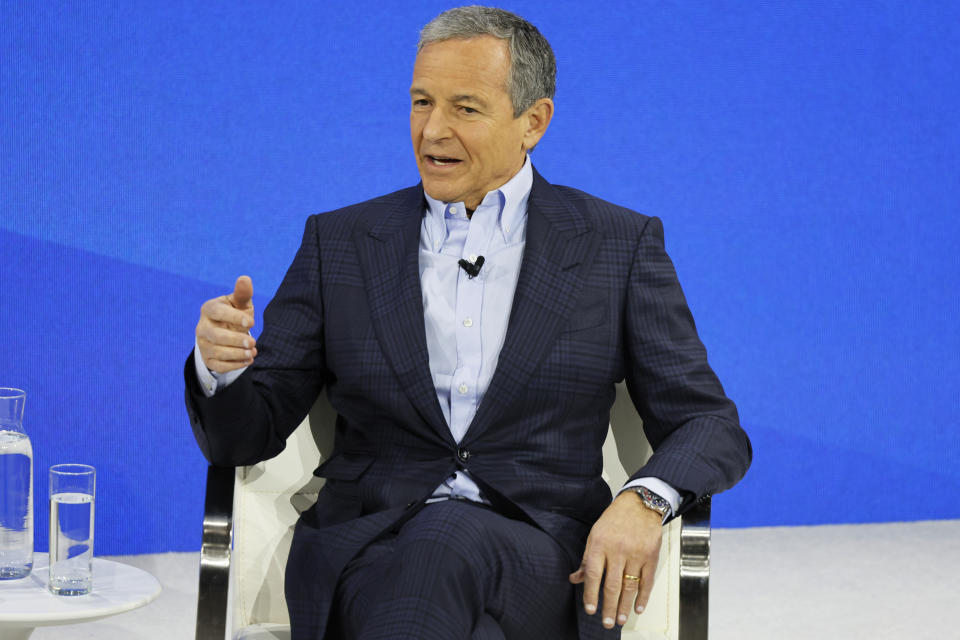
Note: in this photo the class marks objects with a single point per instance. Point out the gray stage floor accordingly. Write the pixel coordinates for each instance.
(878, 581)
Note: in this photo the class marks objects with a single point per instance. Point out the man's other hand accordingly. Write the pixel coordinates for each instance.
(624, 541)
(223, 330)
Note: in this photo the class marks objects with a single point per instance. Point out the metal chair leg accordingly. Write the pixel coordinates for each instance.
(215, 554)
(695, 572)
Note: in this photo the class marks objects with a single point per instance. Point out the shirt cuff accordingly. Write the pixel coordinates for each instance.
(660, 488)
(211, 381)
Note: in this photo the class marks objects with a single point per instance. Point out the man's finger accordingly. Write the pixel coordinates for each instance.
(612, 584)
(630, 588)
(593, 575)
(646, 586)
(212, 334)
(220, 311)
(242, 293)
(226, 354)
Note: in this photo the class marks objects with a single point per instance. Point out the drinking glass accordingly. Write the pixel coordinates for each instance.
(72, 488)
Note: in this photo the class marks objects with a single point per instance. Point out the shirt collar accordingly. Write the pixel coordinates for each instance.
(513, 197)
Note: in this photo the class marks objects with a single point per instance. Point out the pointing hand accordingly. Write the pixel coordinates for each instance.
(223, 330)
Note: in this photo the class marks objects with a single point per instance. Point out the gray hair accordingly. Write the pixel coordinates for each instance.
(533, 68)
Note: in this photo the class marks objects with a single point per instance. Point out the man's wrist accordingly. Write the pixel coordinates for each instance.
(634, 499)
(208, 381)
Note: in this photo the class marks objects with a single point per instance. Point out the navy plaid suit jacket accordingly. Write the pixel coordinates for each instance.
(597, 301)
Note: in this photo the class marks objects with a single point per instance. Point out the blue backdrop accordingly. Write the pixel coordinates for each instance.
(803, 157)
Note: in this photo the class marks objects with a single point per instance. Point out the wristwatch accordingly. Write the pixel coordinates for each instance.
(653, 501)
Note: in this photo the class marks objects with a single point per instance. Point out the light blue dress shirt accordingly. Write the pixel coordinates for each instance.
(465, 318)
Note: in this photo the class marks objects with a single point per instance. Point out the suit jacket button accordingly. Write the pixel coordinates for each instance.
(463, 454)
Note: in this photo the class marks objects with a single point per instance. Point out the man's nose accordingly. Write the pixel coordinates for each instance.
(437, 126)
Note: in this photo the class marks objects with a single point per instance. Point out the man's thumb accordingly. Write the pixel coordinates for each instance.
(242, 292)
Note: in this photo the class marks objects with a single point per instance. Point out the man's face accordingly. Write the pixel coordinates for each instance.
(465, 137)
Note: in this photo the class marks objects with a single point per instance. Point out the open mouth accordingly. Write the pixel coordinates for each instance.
(442, 161)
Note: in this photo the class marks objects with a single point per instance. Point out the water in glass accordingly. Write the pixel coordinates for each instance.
(16, 505)
(71, 543)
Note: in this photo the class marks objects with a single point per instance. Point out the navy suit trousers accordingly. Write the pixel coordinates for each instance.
(457, 571)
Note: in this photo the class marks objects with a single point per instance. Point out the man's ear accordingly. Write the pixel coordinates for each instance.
(537, 119)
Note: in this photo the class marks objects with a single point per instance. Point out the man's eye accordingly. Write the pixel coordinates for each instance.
(467, 109)
(421, 102)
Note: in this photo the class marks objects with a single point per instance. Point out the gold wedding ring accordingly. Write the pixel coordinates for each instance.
(627, 576)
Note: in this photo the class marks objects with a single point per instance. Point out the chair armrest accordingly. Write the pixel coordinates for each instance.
(215, 554)
(695, 572)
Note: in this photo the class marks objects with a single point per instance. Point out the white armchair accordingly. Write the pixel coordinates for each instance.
(254, 508)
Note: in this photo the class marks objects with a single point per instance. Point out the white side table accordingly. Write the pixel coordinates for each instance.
(26, 604)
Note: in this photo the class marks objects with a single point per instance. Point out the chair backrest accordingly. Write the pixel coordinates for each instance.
(269, 497)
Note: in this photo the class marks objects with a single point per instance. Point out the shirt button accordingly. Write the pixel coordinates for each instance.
(472, 257)
(463, 389)
(463, 454)
(468, 322)
(453, 210)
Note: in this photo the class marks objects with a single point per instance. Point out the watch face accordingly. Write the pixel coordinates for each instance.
(654, 501)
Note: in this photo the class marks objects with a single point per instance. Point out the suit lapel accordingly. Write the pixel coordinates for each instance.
(388, 242)
(560, 247)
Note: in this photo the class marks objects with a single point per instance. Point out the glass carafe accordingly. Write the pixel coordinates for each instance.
(16, 488)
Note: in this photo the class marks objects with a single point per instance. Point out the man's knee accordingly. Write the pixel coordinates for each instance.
(487, 629)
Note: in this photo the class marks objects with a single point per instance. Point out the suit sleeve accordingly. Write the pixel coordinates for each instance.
(699, 446)
(250, 420)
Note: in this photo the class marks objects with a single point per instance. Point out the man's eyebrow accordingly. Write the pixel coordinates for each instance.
(461, 97)
(465, 97)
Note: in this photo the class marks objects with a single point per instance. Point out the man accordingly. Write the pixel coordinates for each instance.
(464, 497)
